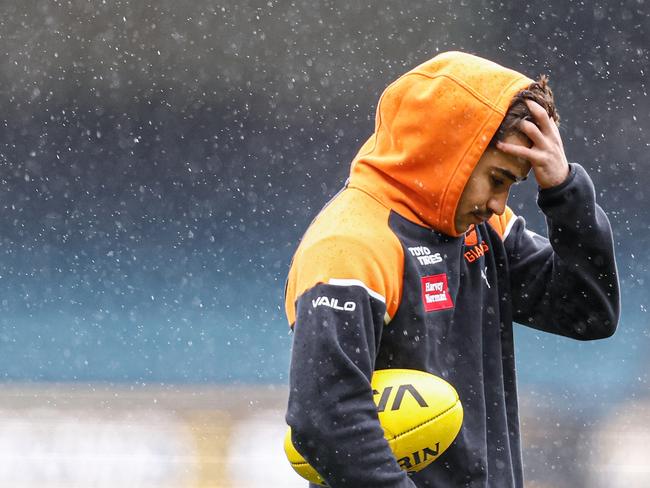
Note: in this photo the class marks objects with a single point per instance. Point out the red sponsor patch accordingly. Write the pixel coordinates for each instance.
(435, 293)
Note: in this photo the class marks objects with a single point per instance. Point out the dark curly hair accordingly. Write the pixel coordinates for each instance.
(538, 91)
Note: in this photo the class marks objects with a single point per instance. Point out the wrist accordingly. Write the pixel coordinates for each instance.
(555, 180)
(551, 196)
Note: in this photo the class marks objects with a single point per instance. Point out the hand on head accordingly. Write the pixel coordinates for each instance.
(546, 155)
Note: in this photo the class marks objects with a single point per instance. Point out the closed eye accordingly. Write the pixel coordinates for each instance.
(497, 182)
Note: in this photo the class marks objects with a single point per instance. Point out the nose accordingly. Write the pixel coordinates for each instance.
(497, 204)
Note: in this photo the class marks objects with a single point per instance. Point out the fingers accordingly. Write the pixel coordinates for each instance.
(540, 116)
(532, 131)
(543, 121)
(544, 135)
(543, 131)
(528, 153)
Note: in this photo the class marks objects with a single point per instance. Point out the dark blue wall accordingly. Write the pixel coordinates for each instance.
(160, 163)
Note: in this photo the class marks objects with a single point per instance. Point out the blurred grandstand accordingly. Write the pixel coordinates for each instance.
(231, 437)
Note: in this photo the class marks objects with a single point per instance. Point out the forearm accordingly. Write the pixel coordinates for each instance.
(331, 411)
(343, 441)
(581, 236)
(570, 281)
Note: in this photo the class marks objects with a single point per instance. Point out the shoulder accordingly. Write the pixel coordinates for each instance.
(349, 242)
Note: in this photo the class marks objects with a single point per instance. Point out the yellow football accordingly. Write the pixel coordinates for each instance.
(420, 413)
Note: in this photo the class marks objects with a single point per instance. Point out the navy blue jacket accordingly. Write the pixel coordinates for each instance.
(460, 330)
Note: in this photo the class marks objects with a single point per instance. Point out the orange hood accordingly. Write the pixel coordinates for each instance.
(432, 126)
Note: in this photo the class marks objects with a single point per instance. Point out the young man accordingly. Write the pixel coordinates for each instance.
(437, 268)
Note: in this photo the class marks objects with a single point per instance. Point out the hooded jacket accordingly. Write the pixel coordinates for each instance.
(428, 299)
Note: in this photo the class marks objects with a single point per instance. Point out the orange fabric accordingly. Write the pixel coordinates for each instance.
(349, 239)
(471, 239)
(500, 222)
(432, 126)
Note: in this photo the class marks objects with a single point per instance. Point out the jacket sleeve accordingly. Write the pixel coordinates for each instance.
(331, 411)
(566, 284)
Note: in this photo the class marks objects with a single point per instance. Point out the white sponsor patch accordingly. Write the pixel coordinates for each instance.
(424, 256)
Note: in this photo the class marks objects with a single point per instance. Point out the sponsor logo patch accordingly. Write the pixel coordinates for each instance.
(333, 303)
(435, 293)
(424, 256)
(476, 252)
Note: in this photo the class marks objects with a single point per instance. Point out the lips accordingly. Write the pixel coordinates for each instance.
(481, 217)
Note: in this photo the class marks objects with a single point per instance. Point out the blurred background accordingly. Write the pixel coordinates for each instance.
(159, 163)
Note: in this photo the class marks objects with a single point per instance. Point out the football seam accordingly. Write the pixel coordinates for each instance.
(299, 463)
(426, 422)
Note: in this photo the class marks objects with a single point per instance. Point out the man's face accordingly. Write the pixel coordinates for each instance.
(487, 189)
